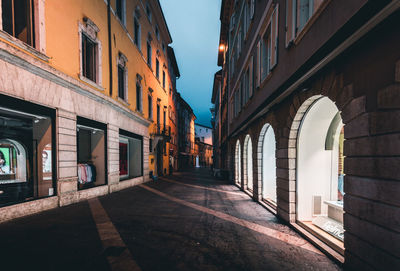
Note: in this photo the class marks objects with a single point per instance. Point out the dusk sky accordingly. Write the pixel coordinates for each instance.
(195, 26)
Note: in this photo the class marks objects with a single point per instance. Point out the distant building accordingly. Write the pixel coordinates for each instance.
(186, 134)
(203, 133)
(204, 140)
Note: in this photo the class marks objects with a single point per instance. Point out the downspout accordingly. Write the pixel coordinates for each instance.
(109, 45)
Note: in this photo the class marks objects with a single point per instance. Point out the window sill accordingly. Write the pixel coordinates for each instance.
(124, 102)
(23, 46)
(91, 83)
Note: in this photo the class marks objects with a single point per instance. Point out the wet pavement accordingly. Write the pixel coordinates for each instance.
(188, 221)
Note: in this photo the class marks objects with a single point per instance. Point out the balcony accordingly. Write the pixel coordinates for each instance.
(163, 131)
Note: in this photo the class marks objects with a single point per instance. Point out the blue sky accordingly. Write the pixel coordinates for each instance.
(194, 27)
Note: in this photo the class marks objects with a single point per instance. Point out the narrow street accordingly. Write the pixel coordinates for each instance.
(188, 221)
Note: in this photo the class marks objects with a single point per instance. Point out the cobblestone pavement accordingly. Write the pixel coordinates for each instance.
(188, 221)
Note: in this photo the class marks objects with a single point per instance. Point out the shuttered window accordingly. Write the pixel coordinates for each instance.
(274, 38)
(290, 21)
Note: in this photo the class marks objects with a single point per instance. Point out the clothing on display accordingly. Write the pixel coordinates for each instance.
(86, 173)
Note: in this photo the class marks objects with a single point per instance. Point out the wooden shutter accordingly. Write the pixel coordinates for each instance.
(274, 37)
(252, 8)
(290, 21)
(251, 85)
(258, 64)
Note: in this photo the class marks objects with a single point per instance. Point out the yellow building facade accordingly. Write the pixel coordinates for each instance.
(97, 73)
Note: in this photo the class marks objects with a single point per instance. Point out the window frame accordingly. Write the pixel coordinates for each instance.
(122, 64)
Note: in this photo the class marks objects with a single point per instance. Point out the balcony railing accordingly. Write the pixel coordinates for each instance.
(161, 130)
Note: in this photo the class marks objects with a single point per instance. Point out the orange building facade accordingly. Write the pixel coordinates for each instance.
(85, 93)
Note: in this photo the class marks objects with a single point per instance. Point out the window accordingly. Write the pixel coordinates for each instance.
(150, 106)
(298, 13)
(122, 82)
(89, 50)
(163, 79)
(269, 46)
(138, 93)
(92, 163)
(252, 8)
(157, 69)
(149, 52)
(148, 11)
(120, 10)
(130, 155)
(265, 54)
(17, 18)
(157, 33)
(137, 32)
(26, 151)
(163, 47)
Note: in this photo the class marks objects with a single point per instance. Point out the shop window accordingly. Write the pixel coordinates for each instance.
(130, 155)
(122, 77)
(267, 167)
(26, 152)
(92, 162)
(238, 168)
(248, 163)
(18, 20)
(320, 168)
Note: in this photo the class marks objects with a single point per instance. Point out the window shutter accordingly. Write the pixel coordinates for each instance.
(252, 8)
(251, 90)
(258, 64)
(274, 37)
(290, 21)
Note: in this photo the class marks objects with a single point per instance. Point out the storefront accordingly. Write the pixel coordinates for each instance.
(92, 153)
(130, 155)
(27, 153)
(320, 172)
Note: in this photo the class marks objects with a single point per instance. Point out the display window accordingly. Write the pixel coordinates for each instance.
(320, 174)
(130, 155)
(26, 151)
(92, 149)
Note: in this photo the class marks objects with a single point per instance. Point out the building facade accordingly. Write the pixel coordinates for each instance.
(80, 83)
(186, 134)
(313, 132)
(204, 142)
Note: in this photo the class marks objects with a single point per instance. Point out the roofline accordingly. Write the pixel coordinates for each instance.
(202, 125)
(174, 62)
(165, 21)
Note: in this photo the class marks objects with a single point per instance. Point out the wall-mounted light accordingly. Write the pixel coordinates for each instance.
(221, 48)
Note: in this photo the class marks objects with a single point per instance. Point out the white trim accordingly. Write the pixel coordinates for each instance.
(82, 29)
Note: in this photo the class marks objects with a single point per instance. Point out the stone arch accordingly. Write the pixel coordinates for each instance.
(266, 164)
(238, 168)
(313, 154)
(248, 163)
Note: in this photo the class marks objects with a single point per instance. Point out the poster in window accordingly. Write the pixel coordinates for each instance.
(46, 162)
(5, 160)
(123, 159)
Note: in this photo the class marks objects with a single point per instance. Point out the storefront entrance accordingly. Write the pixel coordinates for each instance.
(320, 171)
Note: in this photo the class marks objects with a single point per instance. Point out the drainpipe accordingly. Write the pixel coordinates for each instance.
(109, 45)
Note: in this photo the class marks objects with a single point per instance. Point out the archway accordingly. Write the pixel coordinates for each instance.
(320, 172)
(248, 163)
(267, 164)
(238, 169)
